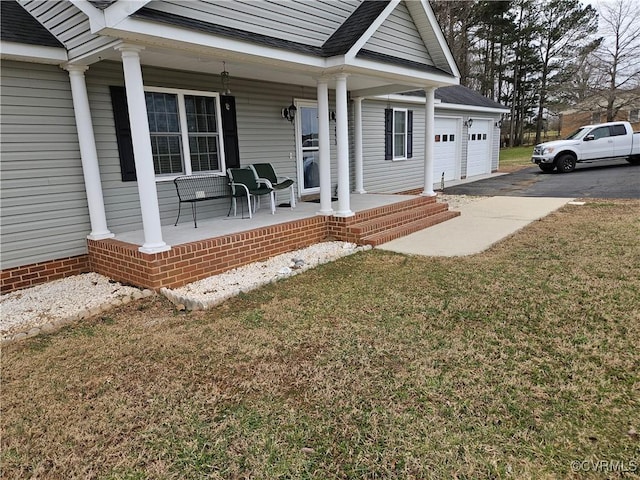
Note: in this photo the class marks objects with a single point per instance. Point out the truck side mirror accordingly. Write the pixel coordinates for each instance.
(589, 138)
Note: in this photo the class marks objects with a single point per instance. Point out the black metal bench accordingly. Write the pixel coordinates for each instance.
(198, 188)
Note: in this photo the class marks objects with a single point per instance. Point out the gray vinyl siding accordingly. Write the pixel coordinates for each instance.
(310, 22)
(399, 37)
(263, 136)
(429, 37)
(387, 176)
(68, 23)
(44, 208)
(495, 148)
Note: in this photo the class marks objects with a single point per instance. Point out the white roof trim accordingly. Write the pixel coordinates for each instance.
(32, 53)
(122, 9)
(351, 54)
(439, 104)
(435, 26)
(151, 33)
(95, 15)
(403, 74)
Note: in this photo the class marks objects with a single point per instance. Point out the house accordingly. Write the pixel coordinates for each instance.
(594, 110)
(105, 102)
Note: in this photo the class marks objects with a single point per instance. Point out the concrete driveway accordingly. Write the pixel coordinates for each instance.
(610, 179)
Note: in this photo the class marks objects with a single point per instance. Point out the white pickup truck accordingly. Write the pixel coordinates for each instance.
(605, 141)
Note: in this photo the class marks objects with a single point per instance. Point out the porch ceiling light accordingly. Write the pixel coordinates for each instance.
(289, 112)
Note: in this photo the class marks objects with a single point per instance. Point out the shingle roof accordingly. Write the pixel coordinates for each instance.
(459, 95)
(353, 28)
(193, 24)
(17, 25)
(102, 4)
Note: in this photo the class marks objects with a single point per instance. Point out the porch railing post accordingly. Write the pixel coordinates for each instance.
(429, 118)
(153, 242)
(88, 153)
(325, 145)
(342, 140)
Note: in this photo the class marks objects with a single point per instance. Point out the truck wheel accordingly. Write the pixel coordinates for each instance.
(547, 167)
(566, 163)
(634, 160)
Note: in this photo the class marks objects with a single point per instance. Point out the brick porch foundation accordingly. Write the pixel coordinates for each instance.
(194, 261)
(36, 273)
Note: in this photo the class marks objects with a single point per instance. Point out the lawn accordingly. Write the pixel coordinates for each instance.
(514, 363)
(515, 157)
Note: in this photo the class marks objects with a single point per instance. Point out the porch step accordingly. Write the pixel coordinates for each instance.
(394, 219)
(375, 239)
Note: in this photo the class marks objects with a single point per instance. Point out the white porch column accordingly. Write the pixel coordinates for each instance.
(342, 140)
(357, 138)
(145, 173)
(88, 153)
(429, 119)
(325, 146)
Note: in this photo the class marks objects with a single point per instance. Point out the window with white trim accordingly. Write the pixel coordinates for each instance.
(399, 133)
(185, 131)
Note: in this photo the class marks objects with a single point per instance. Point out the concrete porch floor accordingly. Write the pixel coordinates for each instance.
(185, 232)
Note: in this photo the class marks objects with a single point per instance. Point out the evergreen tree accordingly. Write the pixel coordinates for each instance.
(564, 27)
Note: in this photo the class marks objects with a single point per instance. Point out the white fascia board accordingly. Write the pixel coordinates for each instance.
(473, 108)
(121, 10)
(95, 15)
(32, 53)
(439, 35)
(403, 98)
(440, 105)
(403, 74)
(135, 30)
(353, 51)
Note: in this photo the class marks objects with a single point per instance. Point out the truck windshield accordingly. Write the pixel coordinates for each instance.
(577, 134)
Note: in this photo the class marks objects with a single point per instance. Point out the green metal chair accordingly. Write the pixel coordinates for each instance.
(243, 183)
(265, 172)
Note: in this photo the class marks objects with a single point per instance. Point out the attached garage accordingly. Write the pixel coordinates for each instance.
(479, 147)
(446, 149)
(466, 139)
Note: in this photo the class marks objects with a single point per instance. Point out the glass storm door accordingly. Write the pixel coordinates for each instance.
(308, 148)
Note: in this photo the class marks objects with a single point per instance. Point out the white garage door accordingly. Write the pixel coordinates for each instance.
(445, 149)
(478, 151)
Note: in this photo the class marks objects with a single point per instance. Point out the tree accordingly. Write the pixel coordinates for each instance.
(564, 28)
(616, 61)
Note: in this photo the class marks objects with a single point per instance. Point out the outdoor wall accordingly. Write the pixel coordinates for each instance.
(44, 208)
(572, 121)
(387, 176)
(263, 136)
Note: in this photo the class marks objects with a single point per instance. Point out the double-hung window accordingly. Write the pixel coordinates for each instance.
(185, 131)
(399, 134)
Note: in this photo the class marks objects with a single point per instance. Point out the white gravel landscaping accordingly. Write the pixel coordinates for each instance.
(213, 290)
(47, 307)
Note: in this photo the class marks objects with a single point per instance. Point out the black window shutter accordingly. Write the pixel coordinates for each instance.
(410, 134)
(123, 133)
(230, 131)
(388, 134)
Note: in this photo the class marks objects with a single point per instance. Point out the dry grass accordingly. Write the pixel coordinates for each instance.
(508, 364)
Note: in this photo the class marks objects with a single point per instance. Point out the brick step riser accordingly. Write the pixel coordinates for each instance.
(379, 212)
(380, 238)
(395, 220)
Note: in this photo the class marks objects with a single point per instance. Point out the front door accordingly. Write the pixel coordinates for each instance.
(308, 148)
